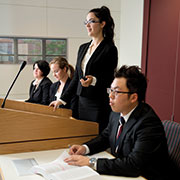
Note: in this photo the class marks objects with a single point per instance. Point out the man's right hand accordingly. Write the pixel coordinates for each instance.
(77, 150)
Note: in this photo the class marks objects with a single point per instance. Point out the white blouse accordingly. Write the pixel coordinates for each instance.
(86, 60)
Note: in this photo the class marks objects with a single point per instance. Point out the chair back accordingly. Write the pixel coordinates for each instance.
(172, 131)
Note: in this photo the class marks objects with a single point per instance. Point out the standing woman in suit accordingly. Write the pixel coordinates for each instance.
(39, 88)
(95, 67)
(63, 72)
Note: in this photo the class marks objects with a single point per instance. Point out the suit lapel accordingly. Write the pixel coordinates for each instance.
(114, 130)
(94, 55)
(66, 85)
(84, 52)
(116, 126)
(32, 90)
(39, 84)
(81, 57)
(57, 87)
(128, 125)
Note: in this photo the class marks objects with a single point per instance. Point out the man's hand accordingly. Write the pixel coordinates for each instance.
(77, 150)
(78, 160)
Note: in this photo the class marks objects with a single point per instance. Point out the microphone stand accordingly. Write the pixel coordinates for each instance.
(21, 68)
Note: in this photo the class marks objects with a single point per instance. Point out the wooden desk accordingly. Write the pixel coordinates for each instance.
(41, 157)
(27, 127)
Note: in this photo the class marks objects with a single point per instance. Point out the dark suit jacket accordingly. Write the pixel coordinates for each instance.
(41, 94)
(142, 147)
(101, 65)
(72, 104)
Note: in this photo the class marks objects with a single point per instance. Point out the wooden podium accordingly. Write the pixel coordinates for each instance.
(26, 127)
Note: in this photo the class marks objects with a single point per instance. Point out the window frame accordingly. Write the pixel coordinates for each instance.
(43, 55)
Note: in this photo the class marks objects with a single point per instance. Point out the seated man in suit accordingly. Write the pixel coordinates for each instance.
(141, 148)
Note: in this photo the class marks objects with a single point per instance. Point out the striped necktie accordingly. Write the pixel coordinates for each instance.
(120, 127)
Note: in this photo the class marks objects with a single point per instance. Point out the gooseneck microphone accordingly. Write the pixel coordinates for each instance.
(21, 68)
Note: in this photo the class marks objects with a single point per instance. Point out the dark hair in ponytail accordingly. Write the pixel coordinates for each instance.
(71, 68)
(103, 14)
(63, 63)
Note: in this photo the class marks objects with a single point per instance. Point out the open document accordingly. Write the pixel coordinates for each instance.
(59, 170)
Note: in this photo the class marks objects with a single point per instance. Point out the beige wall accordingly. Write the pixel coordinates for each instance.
(131, 18)
(64, 18)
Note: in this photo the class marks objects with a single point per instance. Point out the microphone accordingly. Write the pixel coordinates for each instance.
(21, 68)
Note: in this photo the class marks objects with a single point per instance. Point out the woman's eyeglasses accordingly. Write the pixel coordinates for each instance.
(90, 22)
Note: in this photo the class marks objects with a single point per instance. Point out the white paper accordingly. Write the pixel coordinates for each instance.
(23, 166)
(59, 170)
(79, 173)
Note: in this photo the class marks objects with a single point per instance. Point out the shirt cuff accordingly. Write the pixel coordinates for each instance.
(63, 102)
(95, 166)
(87, 152)
(87, 149)
(94, 81)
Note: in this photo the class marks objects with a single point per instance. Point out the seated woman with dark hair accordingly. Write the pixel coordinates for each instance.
(39, 88)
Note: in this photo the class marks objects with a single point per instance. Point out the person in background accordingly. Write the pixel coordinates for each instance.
(63, 72)
(96, 63)
(140, 149)
(39, 88)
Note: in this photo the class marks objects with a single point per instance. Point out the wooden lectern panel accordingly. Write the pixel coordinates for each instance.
(22, 131)
(31, 107)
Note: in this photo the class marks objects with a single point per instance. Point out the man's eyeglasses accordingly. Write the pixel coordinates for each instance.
(115, 92)
(90, 22)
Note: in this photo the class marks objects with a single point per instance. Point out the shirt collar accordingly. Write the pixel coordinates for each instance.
(92, 44)
(37, 82)
(126, 117)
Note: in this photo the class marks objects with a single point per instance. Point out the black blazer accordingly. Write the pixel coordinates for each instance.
(101, 65)
(72, 104)
(41, 94)
(142, 147)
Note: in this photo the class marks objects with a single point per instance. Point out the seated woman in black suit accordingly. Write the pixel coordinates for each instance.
(63, 72)
(39, 88)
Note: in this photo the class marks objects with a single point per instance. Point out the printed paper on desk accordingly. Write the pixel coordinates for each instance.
(59, 170)
(79, 173)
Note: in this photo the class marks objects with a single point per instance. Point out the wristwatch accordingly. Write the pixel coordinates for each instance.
(92, 162)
